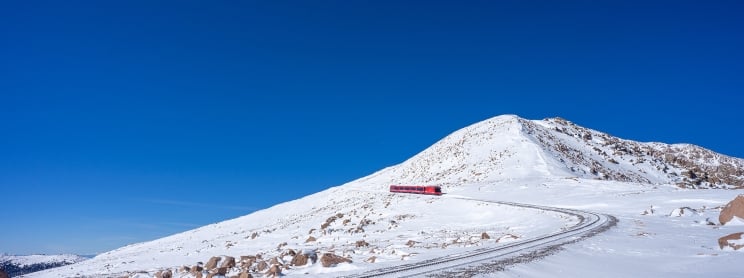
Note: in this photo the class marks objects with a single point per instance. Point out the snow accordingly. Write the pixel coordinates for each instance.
(28, 260)
(549, 162)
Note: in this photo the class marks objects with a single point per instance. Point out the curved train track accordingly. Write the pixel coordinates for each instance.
(590, 223)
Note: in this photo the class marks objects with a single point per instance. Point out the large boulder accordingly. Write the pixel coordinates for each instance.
(330, 259)
(299, 259)
(212, 263)
(733, 208)
(733, 240)
(228, 262)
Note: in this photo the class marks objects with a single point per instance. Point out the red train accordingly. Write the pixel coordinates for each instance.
(417, 189)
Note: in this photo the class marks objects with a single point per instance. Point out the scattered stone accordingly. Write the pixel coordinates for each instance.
(262, 265)
(733, 240)
(735, 208)
(330, 259)
(299, 259)
(228, 262)
(274, 271)
(212, 263)
(410, 243)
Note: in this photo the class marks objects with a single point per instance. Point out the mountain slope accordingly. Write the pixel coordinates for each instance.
(508, 147)
(360, 220)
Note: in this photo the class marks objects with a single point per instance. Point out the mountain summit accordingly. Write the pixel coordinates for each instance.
(509, 147)
(360, 226)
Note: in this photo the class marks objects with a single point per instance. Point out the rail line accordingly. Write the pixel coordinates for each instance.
(590, 223)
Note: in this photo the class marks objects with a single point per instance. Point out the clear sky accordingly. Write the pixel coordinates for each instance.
(126, 121)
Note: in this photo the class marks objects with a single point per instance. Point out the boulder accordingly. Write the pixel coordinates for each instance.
(245, 275)
(733, 240)
(222, 270)
(330, 259)
(212, 263)
(228, 262)
(733, 208)
(274, 271)
(310, 239)
(485, 235)
(167, 274)
(361, 243)
(299, 259)
(262, 265)
(196, 268)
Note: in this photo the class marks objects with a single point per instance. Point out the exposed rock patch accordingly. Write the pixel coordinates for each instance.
(733, 208)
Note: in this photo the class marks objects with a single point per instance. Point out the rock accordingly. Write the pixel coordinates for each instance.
(222, 270)
(262, 265)
(410, 243)
(371, 259)
(245, 275)
(196, 268)
(4, 274)
(167, 274)
(299, 259)
(330, 259)
(274, 271)
(733, 240)
(212, 263)
(361, 243)
(310, 239)
(683, 211)
(198, 274)
(485, 235)
(228, 262)
(733, 208)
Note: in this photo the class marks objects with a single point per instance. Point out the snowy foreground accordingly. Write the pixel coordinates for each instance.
(662, 243)
(668, 224)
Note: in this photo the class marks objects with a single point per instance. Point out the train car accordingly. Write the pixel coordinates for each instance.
(417, 189)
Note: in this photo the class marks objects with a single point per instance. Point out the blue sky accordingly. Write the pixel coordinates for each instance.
(125, 121)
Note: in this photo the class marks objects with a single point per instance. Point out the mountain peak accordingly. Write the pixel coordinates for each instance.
(508, 147)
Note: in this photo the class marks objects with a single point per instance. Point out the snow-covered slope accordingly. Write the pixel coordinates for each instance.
(502, 158)
(17, 265)
(508, 147)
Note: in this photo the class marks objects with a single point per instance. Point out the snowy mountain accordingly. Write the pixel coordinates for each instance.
(509, 147)
(360, 226)
(18, 265)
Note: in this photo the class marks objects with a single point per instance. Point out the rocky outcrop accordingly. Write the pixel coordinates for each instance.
(228, 262)
(735, 208)
(330, 259)
(733, 241)
(212, 263)
(274, 271)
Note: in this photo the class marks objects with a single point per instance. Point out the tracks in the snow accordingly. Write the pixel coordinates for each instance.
(489, 258)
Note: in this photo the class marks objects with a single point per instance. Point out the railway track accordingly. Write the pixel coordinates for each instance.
(590, 223)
